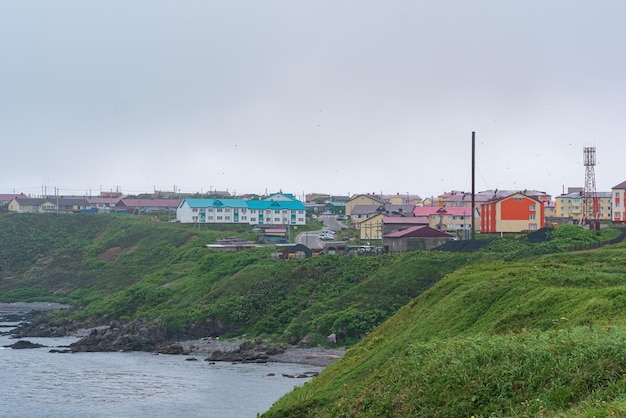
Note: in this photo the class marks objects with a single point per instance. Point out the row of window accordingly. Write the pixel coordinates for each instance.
(242, 218)
(253, 211)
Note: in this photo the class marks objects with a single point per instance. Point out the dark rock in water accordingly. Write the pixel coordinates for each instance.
(22, 344)
(191, 359)
(45, 326)
(64, 351)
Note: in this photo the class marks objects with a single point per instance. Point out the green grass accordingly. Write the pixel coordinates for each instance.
(128, 267)
(515, 329)
(542, 337)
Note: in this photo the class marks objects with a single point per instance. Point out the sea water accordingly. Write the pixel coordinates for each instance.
(37, 383)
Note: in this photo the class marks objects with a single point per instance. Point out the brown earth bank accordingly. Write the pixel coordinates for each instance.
(140, 335)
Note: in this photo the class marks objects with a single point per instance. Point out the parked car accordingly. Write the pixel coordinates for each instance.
(326, 237)
(342, 218)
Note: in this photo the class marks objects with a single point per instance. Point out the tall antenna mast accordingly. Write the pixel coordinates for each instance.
(590, 196)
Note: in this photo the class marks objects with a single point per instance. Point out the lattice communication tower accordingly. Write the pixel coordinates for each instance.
(590, 211)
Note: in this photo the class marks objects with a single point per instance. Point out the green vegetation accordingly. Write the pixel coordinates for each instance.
(538, 337)
(517, 328)
(111, 267)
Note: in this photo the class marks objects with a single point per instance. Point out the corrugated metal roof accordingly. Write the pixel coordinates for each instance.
(442, 210)
(415, 220)
(416, 232)
(246, 204)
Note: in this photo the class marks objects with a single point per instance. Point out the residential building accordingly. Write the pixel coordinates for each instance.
(459, 198)
(103, 204)
(317, 197)
(414, 238)
(391, 223)
(6, 198)
(361, 212)
(146, 205)
(514, 213)
(49, 205)
(280, 196)
(336, 208)
(362, 199)
(32, 205)
(402, 199)
(570, 205)
(617, 202)
(457, 219)
(371, 228)
(240, 211)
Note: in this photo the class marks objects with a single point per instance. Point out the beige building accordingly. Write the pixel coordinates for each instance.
(362, 200)
(570, 205)
(28, 205)
(371, 228)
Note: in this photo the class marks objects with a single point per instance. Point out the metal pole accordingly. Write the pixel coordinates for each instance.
(473, 184)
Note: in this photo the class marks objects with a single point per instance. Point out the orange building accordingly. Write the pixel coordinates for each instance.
(513, 213)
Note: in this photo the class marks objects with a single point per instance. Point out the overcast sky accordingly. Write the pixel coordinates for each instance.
(334, 96)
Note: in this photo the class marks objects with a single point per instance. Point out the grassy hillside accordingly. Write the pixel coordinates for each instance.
(123, 267)
(544, 336)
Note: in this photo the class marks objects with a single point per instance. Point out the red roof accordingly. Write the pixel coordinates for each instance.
(150, 203)
(622, 185)
(416, 232)
(442, 210)
(390, 220)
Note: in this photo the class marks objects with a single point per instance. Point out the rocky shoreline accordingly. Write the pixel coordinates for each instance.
(143, 336)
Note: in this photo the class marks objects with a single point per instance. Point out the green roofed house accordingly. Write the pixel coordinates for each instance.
(241, 211)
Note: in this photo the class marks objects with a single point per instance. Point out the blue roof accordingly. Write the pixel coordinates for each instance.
(276, 204)
(242, 203)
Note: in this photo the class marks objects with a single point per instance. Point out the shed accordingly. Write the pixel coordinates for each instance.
(413, 238)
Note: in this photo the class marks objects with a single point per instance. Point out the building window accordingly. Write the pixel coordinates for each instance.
(219, 218)
(532, 217)
(194, 210)
(210, 209)
(219, 209)
(227, 218)
(532, 227)
(531, 207)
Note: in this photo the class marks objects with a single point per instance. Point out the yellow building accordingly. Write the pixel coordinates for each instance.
(570, 205)
(362, 199)
(371, 228)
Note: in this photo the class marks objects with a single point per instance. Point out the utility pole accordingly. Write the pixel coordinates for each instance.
(473, 185)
